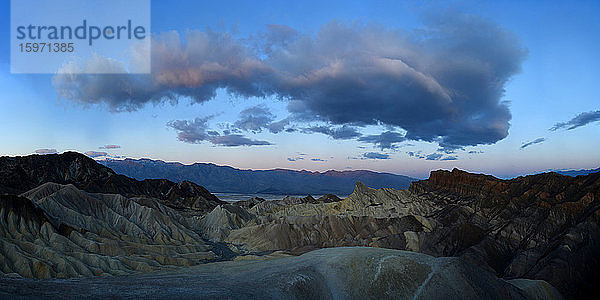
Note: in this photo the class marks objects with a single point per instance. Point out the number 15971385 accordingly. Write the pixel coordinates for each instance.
(46, 47)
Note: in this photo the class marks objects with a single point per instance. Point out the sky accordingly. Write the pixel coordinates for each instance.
(506, 88)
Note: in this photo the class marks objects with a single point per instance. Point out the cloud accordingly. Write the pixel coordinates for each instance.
(375, 155)
(193, 132)
(434, 156)
(194, 65)
(318, 159)
(443, 83)
(439, 156)
(110, 147)
(46, 151)
(198, 131)
(581, 119)
(277, 36)
(385, 140)
(254, 118)
(94, 154)
(417, 154)
(475, 152)
(299, 156)
(451, 157)
(341, 133)
(444, 86)
(234, 140)
(279, 126)
(536, 141)
(259, 117)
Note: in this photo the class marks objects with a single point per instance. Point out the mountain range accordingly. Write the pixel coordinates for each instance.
(577, 172)
(278, 181)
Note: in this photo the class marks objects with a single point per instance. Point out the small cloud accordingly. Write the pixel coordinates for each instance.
(317, 159)
(255, 118)
(441, 157)
(385, 140)
(197, 131)
(234, 140)
(341, 133)
(415, 154)
(581, 119)
(536, 141)
(94, 154)
(434, 156)
(449, 150)
(451, 157)
(259, 117)
(46, 151)
(475, 152)
(110, 147)
(295, 158)
(375, 155)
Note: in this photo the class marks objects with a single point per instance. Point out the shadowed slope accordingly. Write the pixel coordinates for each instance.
(20, 174)
(60, 231)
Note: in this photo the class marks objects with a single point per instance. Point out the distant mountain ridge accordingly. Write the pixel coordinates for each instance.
(278, 181)
(577, 172)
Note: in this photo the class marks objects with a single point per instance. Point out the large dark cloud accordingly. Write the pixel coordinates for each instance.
(442, 83)
(536, 141)
(581, 119)
(198, 131)
(385, 140)
(443, 86)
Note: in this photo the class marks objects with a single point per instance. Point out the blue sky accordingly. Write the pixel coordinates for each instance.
(544, 56)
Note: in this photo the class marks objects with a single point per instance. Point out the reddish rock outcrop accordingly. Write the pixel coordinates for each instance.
(544, 226)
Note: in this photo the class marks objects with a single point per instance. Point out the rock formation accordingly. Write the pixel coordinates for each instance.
(543, 226)
(59, 231)
(20, 174)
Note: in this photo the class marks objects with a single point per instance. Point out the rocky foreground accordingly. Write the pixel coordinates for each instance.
(333, 273)
(65, 216)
